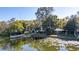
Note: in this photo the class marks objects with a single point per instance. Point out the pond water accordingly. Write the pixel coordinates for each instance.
(47, 44)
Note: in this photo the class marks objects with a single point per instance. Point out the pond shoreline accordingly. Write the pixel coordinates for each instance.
(50, 43)
(61, 39)
(68, 42)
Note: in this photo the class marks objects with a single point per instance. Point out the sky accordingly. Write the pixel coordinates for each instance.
(28, 13)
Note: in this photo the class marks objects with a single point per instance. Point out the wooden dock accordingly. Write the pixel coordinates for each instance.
(19, 36)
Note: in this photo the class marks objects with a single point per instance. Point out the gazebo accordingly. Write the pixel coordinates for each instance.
(77, 32)
(58, 30)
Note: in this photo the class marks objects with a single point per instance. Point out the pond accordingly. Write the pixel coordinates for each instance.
(47, 44)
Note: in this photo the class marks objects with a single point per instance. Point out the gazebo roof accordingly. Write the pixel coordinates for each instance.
(58, 29)
(77, 30)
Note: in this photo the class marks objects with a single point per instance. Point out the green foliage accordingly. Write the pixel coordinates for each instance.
(60, 23)
(71, 25)
(48, 21)
(17, 26)
(43, 12)
(48, 25)
(45, 20)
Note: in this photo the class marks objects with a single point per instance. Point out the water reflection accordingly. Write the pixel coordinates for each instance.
(36, 45)
(27, 48)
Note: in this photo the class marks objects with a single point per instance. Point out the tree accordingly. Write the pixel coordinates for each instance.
(16, 26)
(61, 23)
(49, 22)
(33, 25)
(43, 13)
(3, 26)
(12, 19)
(71, 25)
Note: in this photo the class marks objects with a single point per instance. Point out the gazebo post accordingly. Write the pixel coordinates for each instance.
(74, 33)
(66, 32)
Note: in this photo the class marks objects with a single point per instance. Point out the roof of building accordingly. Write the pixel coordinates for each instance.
(77, 30)
(58, 29)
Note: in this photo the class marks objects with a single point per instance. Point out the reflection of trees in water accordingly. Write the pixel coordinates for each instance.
(40, 45)
(72, 47)
(5, 44)
(17, 45)
(43, 45)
